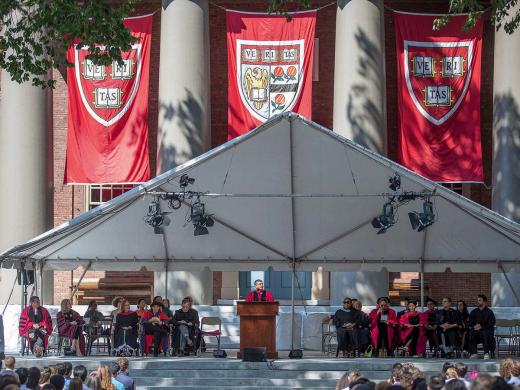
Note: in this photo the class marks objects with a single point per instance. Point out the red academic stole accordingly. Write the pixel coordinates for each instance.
(438, 80)
(107, 138)
(269, 67)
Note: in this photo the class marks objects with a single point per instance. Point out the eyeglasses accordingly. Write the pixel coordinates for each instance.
(347, 301)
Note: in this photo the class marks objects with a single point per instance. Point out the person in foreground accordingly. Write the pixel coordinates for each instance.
(36, 326)
(482, 328)
(347, 321)
(259, 294)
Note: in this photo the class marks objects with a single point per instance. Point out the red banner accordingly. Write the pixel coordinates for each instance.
(438, 79)
(269, 67)
(107, 138)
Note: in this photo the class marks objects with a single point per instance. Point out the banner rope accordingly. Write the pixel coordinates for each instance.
(432, 14)
(295, 12)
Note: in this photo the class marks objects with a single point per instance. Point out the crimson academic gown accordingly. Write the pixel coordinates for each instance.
(71, 331)
(405, 331)
(374, 331)
(260, 296)
(148, 339)
(25, 323)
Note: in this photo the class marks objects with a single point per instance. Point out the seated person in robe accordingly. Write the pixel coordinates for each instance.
(36, 325)
(346, 321)
(383, 321)
(450, 323)
(364, 327)
(412, 331)
(431, 325)
(259, 294)
(126, 331)
(70, 325)
(186, 328)
(155, 323)
(482, 328)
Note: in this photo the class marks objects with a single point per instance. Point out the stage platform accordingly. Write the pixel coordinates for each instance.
(206, 372)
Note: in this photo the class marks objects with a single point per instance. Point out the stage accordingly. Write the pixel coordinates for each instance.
(313, 371)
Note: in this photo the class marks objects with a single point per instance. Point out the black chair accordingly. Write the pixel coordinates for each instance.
(100, 335)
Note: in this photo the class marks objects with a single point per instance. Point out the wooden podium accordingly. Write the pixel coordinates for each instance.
(258, 326)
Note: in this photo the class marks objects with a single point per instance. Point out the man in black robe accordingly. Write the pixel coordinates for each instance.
(347, 321)
(482, 328)
(449, 324)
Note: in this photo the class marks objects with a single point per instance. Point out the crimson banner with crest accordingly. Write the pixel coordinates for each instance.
(107, 138)
(269, 67)
(438, 79)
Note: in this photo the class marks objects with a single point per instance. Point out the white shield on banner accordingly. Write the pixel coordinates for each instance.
(433, 71)
(270, 75)
(104, 89)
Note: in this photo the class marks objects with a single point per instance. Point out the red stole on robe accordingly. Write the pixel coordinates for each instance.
(259, 294)
(25, 323)
(405, 330)
(374, 331)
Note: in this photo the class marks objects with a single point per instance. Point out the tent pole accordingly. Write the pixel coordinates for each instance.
(509, 282)
(76, 287)
(166, 257)
(292, 303)
(10, 295)
(422, 268)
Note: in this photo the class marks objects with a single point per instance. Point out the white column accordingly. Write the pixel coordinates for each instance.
(506, 146)
(359, 74)
(25, 199)
(184, 115)
(359, 113)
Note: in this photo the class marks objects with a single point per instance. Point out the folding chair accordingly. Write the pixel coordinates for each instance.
(210, 321)
(328, 335)
(101, 332)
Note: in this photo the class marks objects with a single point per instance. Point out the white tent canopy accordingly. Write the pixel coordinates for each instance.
(293, 189)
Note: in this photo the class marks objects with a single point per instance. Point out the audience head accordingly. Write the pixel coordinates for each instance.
(48, 386)
(22, 374)
(66, 306)
(462, 369)
(60, 369)
(436, 382)
(419, 384)
(122, 362)
(455, 384)
(347, 303)
(106, 376)
(57, 381)
(75, 384)
(347, 379)
(515, 371)
(67, 367)
(157, 298)
(35, 301)
(114, 368)
(53, 368)
(80, 372)
(482, 300)
(259, 284)
(397, 373)
(506, 368)
(445, 367)
(474, 374)
(45, 375)
(10, 362)
(451, 373)
(446, 303)
(362, 383)
(123, 305)
(115, 301)
(33, 378)
(93, 382)
(488, 382)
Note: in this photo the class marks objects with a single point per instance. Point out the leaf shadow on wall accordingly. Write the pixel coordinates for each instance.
(363, 113)
(188, 117)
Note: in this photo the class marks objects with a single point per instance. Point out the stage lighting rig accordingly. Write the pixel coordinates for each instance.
(387, 218)
(201, 220)
(155, 217)
(185, 180)
(421, 221)
(395, 182)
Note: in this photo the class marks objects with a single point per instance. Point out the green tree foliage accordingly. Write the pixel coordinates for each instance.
(35, 34)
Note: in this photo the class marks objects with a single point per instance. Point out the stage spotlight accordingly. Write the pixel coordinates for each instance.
(185, 180)
(174, 202)
(200, 230)
(155, 218)
(421, 221)
(200, 220)
(395, 182)
(386, 219)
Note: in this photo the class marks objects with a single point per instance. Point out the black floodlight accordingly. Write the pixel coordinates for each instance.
(386, 219)
(395, 182)
(156, 218)
(201, 221)
(185, 180)
(200, 230)
(421, 221)
(174, 202)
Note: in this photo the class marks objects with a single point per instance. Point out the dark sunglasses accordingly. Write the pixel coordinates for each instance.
(347, 301)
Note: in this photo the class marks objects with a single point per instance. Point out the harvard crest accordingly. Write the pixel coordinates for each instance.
(437, 76)
(269, 75)
(108, 91)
